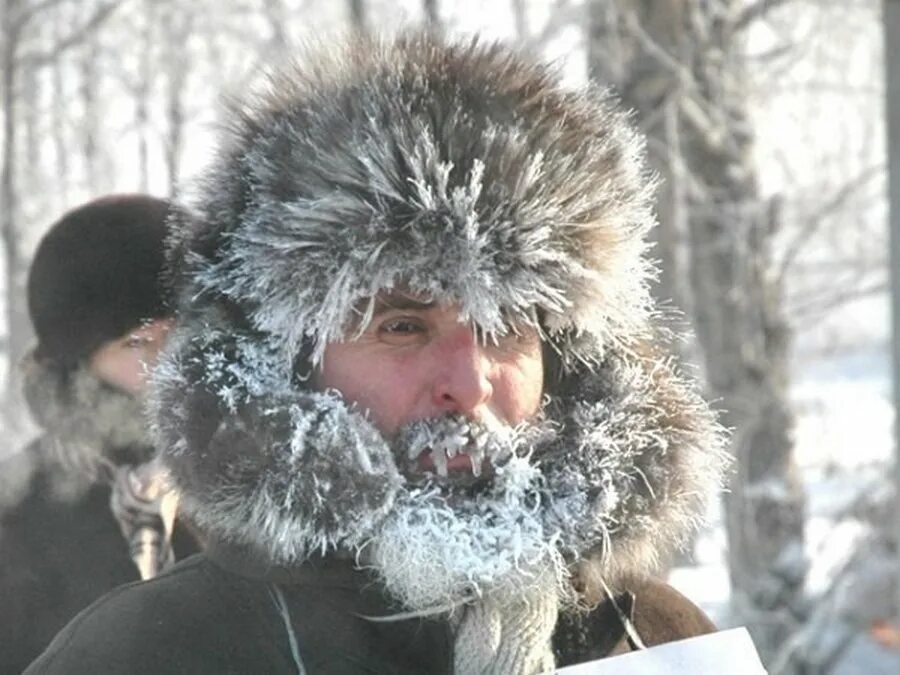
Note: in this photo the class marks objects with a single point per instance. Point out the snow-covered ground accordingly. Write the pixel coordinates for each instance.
(844, 421)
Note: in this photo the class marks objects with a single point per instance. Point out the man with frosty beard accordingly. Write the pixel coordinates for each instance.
(415, 399)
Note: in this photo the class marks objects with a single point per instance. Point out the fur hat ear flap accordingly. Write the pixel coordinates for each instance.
(287, 472)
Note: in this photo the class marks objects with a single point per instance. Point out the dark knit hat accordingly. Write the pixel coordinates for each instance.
(96, 274)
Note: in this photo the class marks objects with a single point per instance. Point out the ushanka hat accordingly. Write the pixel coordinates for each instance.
(96, 274)
(467, 174)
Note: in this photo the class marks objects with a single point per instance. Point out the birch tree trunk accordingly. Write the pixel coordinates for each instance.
(177, 26)
(59, 115)
(16, 312)
(88, 92)
(679, 64)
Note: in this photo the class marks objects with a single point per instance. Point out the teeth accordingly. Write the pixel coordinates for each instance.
(440, 462)
(476, 456)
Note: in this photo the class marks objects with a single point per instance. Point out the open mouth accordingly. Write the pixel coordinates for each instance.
(453, 451)
(443, 462)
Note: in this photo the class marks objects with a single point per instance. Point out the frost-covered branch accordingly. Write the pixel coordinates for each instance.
(755, 12)
(76, 37)
(17, 23)
(813, 222)
(831, 299)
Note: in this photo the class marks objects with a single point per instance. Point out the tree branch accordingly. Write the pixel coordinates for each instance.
(19, 22)
(754, 12)
(561, 14)
(825, 302)
(76, 37)
(814, 221)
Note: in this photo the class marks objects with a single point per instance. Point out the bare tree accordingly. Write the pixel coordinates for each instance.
(432, 12)
(141, 87)
(15, 20)
(19, 18)
(177, 26)
(90, 149)
(892, 53)
(680, 64)
(358, 18)
(561, 14)
(59, 116)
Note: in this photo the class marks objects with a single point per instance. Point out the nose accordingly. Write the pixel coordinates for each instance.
(462, 382)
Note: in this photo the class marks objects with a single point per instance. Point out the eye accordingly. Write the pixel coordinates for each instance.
(137, 341)
(402, 330)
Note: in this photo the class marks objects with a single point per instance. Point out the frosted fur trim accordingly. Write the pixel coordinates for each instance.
(639, 456)
(621, 473)
(87, 427)
(287, 472)
(82, 408)
(464, 172)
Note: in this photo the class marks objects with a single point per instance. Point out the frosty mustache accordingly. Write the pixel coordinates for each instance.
(487, 440)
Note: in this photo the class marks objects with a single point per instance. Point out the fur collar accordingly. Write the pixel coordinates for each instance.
(88, 426)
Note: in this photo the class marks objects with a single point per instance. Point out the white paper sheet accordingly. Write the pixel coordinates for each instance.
(729, 651)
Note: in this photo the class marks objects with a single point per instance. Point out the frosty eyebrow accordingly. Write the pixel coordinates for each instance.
(400, 302)
(383, 303)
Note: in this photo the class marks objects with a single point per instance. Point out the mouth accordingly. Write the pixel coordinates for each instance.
(444, 462)
(453, 451)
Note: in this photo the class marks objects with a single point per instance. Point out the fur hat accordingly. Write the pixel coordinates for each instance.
(465, 173)
(96, 274)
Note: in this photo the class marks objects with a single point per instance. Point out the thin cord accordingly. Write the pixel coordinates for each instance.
(623, 617)
(281, 606)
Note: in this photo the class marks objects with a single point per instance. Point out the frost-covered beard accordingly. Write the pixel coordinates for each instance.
(452, 537)
(432, 450)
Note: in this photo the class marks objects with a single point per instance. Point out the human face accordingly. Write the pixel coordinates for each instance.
(125, 362)
(417, 360)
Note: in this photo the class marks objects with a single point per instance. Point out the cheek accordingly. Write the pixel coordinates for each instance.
(519, 387)
(384, 388)
(121, 368)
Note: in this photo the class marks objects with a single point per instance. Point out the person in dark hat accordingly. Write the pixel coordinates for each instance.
(416, 399)
(83, 508)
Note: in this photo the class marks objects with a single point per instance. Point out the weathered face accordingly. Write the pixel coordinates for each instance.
(125, 362)
(418, 361)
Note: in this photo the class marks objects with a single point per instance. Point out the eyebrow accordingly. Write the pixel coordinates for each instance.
(399, 301)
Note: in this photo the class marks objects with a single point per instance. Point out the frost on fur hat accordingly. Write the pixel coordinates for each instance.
(464, 173)
(96, 274)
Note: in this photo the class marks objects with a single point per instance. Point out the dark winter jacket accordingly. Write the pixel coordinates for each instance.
(60, 545)
(220, 614)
